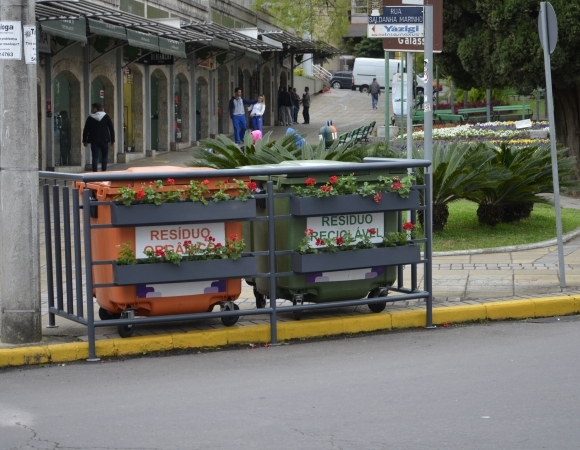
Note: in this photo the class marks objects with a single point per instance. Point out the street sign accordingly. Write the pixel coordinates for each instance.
(417, 44)
(10, 40)
(397, 22)
(552, 24)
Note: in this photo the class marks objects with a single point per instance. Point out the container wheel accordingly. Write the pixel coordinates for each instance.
(232, 320)
(377, 307)
(260, 299)
(106, 315)
(125, 331)
(297, 299)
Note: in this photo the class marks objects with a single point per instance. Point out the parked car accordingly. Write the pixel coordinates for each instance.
(341, 80)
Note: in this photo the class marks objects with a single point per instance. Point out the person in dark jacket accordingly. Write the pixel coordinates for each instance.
(238, 114)
(286, 103)
(99, 132)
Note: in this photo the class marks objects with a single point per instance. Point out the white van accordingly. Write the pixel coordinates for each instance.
(365, 69)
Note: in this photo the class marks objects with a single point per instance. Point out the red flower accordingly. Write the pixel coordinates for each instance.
(397, 185)
(140, 194)
(218, 245)
(333, 179)
(160, 252)
(170, 181)
(326, 188)
(210, 239)
(339, 240)
(206, 182)
(310, 182)
(408, 226)
(372, 231)
(377, 198)
(186, 243)
(309, 232)
(319, 241)
(234, 237)
(252, 186)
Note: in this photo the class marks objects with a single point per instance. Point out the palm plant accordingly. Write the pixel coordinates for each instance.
(223, 153)
(530, 174)
(459, 171)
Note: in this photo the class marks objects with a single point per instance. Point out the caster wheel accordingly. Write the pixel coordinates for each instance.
(260, 299)
(125, 331)
(106, 315)
(232, 320)
(377, 307)
(297, 300)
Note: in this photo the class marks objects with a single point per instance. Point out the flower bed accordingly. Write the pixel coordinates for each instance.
(488, 130)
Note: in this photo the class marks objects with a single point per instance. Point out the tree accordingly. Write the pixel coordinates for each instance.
(326, 20)
(369, 48)
(495, 44)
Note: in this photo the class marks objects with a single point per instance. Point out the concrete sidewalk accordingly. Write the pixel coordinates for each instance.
(518, 282)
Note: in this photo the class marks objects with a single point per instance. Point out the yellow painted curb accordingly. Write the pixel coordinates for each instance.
(516, 309)
(458, 314)
(247, 334)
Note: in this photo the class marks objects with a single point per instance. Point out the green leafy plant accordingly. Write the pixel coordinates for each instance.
(173, 195)
(233, 249)
(396, 238)
(152, 194)
(365, 241)
(126, 255)
(197, 191)
(347, 184)
(162, 255)
(127, 194)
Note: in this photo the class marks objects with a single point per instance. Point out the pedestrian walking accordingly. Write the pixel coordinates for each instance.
(99, 132)
(374, 92)
(306, 105)
(238, 114)
(286, 103)
(257, 113)
(295, 105)
(280, 108)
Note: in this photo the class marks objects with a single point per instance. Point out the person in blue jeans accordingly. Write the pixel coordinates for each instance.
(238, 114)
(374, 92)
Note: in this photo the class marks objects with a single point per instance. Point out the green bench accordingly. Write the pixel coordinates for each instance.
(473, 114)
(512, 111)
(451, 118)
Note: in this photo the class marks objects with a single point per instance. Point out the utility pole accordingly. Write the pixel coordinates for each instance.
(19, 242)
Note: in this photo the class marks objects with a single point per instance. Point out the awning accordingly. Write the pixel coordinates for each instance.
(143, 40)
(145, 33)
(236, 40)
(107, 29)
(298, 45)
(73, 29)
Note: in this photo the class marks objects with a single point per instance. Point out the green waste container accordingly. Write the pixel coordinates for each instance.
(321, 286)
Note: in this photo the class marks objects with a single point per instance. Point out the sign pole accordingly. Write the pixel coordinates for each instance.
(387, 101)
(410, 78)
(547, 45)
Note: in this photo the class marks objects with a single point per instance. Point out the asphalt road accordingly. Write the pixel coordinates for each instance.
(489, 386)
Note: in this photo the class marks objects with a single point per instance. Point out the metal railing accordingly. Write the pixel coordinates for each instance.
(68, 226)
(321, 73)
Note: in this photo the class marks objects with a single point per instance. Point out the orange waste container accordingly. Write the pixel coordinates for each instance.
(164, 298)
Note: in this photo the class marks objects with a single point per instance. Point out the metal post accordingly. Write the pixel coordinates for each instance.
(49, 124)
(437, 87)
(147, 95)
(48, 250)
(89, 275)
(403, 96)
(428, 104)
(120, 110)
(171, 105)
(538, 103)
(452, 97)
(410, 102)
(488, 104)
(86, 101)
(550, 111)
(19, 238)
(272, 261)
(387, 100)
(428, 278)
(192, 102)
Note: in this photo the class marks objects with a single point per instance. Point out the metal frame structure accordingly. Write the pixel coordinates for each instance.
(67, 228)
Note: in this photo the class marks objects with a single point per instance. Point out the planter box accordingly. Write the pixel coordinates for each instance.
(351, 204)
(187, 271)
(356, 259)
(181, 212)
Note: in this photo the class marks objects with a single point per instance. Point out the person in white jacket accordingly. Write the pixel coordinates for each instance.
(256, 113)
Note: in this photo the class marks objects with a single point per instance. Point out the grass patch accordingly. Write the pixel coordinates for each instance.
(463, 231)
